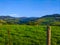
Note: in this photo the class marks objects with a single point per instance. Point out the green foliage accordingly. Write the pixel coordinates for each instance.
(28, 35)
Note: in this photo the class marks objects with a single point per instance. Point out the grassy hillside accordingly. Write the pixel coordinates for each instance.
(53, 19)
(27, 35)
(47, 19)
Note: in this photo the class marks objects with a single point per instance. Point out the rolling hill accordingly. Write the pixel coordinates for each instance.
(49, 19)
(53, 19)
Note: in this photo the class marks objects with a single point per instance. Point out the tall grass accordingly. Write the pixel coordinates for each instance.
(28, 35)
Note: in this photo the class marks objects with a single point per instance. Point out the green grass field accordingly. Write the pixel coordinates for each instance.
(28, 35)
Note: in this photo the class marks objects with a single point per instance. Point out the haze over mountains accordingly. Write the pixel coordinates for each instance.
(53, 19)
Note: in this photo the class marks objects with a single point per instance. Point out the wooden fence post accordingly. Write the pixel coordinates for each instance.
(48, 35)
(9, 38)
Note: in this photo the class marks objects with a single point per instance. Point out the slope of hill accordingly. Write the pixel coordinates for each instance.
(51, 19)
(16, 20)
(44, 20)
(48, 19)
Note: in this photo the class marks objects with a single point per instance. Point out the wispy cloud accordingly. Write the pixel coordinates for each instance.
(14, 15)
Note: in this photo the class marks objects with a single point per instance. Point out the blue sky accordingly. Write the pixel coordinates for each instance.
(29, 8)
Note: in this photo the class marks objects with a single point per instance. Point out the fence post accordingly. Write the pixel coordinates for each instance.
(9, 38)
(48, 35)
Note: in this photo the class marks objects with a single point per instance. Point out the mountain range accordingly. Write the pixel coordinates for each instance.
(53, 19)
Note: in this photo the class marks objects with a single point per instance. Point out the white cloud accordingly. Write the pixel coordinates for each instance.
(14, 15)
